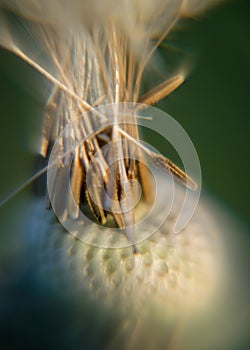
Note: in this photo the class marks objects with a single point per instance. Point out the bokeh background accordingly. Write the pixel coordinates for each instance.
(213, 106)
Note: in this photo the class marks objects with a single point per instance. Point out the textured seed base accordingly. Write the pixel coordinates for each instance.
(173, 278)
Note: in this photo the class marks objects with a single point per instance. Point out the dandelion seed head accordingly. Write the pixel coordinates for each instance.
(96, 53)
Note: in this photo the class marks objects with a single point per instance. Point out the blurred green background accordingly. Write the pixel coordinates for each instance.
(213, 105)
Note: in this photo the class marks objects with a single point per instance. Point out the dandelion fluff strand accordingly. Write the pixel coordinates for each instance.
(92, 63)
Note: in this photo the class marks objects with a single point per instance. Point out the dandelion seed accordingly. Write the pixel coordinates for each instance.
(92, 61)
